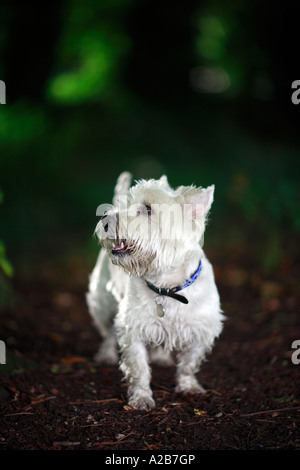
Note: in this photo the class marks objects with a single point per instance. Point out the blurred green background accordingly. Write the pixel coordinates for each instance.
(199, 90)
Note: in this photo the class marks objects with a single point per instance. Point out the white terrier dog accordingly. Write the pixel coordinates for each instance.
(151, 238)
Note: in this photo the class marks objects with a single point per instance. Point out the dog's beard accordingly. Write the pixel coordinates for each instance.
(132, 256)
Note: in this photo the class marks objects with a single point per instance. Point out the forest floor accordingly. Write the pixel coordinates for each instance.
(54, 396)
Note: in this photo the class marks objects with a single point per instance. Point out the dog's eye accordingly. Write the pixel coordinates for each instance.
(148, 209)
(145, 209)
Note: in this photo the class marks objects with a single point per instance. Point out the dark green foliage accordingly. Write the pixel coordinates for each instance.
(197, 91)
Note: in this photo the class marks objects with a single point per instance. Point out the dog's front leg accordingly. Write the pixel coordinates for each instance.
(135, 367)
(189, 360)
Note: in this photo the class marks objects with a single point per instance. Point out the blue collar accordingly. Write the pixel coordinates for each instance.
(193, 278)
(172, 292)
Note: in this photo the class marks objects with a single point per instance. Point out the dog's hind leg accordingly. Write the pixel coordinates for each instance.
(161, 357)
(103, 306)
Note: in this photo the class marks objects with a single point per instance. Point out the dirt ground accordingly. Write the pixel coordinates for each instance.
(54, 396)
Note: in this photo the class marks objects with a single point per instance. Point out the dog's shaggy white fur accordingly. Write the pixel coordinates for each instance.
(151, 235)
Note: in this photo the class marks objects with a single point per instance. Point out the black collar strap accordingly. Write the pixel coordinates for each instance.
(172, 292)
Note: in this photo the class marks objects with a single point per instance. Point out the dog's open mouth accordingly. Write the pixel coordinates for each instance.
(121, 248)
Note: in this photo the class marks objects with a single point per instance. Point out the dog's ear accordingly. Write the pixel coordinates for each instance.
(163, 179)
(208, 197)
(122, 186)
(199, 201)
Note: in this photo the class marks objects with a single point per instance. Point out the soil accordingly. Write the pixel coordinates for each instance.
(54, 396)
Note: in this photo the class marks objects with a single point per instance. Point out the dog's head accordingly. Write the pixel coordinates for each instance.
(152, 226)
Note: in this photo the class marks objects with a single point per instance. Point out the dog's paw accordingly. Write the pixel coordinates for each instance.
(108, 356)
(142, 402)
(187, 384)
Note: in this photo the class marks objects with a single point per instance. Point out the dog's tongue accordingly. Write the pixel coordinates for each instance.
(120, 246)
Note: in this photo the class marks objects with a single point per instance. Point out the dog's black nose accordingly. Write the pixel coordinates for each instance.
(105, 221)
(105, 226)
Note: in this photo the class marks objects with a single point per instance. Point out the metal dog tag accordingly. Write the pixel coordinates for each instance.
(160, 310)
(159, 306)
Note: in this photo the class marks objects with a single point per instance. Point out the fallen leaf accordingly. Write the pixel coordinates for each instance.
(198, 412)
(71, 360)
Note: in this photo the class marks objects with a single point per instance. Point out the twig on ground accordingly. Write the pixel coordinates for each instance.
(86, 402)
(34, 402)
(271, 411)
